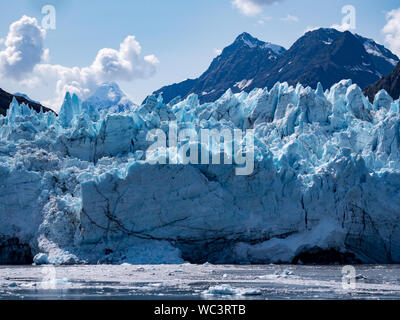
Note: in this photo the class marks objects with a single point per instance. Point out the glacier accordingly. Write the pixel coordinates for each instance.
(77, 188)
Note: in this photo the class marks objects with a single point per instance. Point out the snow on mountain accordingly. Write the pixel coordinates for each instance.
(18, 94)
(108, 96)
(77, 188)
(371, 48)
(245, 58)
(243, 84)
(382, 57)
(325, 55)
(252, 42)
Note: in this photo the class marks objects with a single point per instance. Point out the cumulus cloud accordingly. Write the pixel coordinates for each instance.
(392, 30)
(263, 20)
(311, 28)
(217, 51)
(125, 64)
(342, 27)
(290, 18)
(26, 60)
(252, 7)
(24, 48)
(348, 21)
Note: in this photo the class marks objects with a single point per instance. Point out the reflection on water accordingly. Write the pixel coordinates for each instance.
(194, 282)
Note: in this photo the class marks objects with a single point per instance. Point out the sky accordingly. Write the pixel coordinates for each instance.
(144, 45)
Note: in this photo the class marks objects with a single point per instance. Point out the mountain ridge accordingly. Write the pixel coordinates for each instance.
(390, 83)
(6, 99)
(324, 55)
(239, 61)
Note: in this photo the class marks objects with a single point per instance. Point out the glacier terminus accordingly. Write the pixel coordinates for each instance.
(77, 188)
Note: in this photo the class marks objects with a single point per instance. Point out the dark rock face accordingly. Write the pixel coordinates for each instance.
(318, 256)
(390, 83)
(6, 99)
(12, 252)
(324, 55)
(382, 58)
(182, 89)
(235, 68)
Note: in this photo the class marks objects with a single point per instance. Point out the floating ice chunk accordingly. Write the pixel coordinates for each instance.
(287, 272)
(222, 290)
(227, 290)
(250, 292)
(41, 258)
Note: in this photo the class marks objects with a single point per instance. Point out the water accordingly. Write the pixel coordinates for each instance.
(192, 282)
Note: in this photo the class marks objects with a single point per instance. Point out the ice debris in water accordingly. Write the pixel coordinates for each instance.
(77, 187)
(227, 290)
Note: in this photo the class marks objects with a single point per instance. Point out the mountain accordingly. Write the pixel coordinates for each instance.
(383, 58)
(108, 96)
(328, 56)
(6, 99)
(234, 68)
(323, 55)
(22, 95)
(390, 83)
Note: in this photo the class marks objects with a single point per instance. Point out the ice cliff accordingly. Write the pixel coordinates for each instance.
(76, 188)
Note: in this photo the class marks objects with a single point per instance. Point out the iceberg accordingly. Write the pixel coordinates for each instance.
(78, 188)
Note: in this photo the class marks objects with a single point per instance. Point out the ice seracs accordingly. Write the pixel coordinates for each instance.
(78, 188)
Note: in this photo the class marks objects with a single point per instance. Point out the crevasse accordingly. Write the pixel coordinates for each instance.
(76, 188)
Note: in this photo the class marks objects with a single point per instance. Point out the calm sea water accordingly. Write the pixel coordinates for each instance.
(194, 282)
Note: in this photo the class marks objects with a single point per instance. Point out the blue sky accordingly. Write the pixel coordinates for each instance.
(182, 34)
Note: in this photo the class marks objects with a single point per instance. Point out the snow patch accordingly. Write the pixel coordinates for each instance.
(243, 84)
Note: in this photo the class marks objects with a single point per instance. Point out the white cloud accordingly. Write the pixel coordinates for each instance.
(125, 64)
(217, 51)
(1, 41)
(310, 28)
(252, 7)
(342, 27)
(290, 18)
(263, 20)
(25, 56)
(23, 48)
(392, 30)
